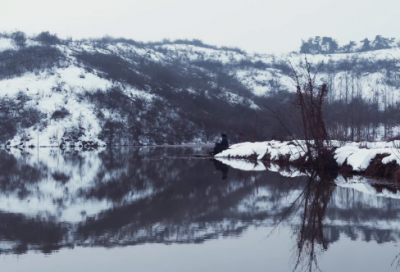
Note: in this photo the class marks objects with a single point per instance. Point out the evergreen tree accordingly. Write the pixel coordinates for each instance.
(305, 47)
(47, 38)
(329, 45)
(382, 43)
(348, 47)
(317, 45)
(366, 45)
(19, 39)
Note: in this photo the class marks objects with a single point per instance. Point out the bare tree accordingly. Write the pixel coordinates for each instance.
(310, 98)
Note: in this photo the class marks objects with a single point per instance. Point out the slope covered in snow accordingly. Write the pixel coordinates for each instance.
(116, 91)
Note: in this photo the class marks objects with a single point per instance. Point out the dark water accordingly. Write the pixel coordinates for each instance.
(155, 209)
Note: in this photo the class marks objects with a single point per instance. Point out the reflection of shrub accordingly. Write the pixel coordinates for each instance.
(61, 177)
(60, 114)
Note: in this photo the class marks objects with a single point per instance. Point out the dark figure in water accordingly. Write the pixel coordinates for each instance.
(221, 146)
(219, 166)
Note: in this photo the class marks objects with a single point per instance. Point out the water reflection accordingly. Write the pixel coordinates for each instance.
(311, 237)
(51, 199)
(223, 168)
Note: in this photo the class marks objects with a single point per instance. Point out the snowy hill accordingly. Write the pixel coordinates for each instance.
(116, 91)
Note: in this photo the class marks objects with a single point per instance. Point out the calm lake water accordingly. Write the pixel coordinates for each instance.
(157, 209)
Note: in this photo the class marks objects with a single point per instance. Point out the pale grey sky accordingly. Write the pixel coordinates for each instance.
(265, 26)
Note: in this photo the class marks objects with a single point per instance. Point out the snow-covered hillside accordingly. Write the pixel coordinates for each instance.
(122, 92)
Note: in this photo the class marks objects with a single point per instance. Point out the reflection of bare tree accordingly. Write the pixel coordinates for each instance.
(396, 261)
(310, 235)
(312, 201)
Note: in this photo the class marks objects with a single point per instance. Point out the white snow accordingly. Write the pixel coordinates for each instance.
(243, 164)
(363, 185)
(45, 194)
(357, 155)
(260, 149)
(54, 88)
(7, 44)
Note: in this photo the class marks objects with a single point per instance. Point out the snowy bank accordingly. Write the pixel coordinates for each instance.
(270, 150)
(356, 157)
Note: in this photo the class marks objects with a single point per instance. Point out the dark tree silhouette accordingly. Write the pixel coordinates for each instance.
(19, 39)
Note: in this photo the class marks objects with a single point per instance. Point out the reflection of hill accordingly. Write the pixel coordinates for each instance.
(145, 196)
(21, 234)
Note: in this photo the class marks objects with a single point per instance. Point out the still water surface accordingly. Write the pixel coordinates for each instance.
(157, 209)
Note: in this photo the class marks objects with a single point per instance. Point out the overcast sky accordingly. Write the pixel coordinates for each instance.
(265, 26)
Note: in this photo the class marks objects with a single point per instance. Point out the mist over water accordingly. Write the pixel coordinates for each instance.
(157, 208)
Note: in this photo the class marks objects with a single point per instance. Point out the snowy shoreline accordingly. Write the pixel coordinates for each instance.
(352, 157)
